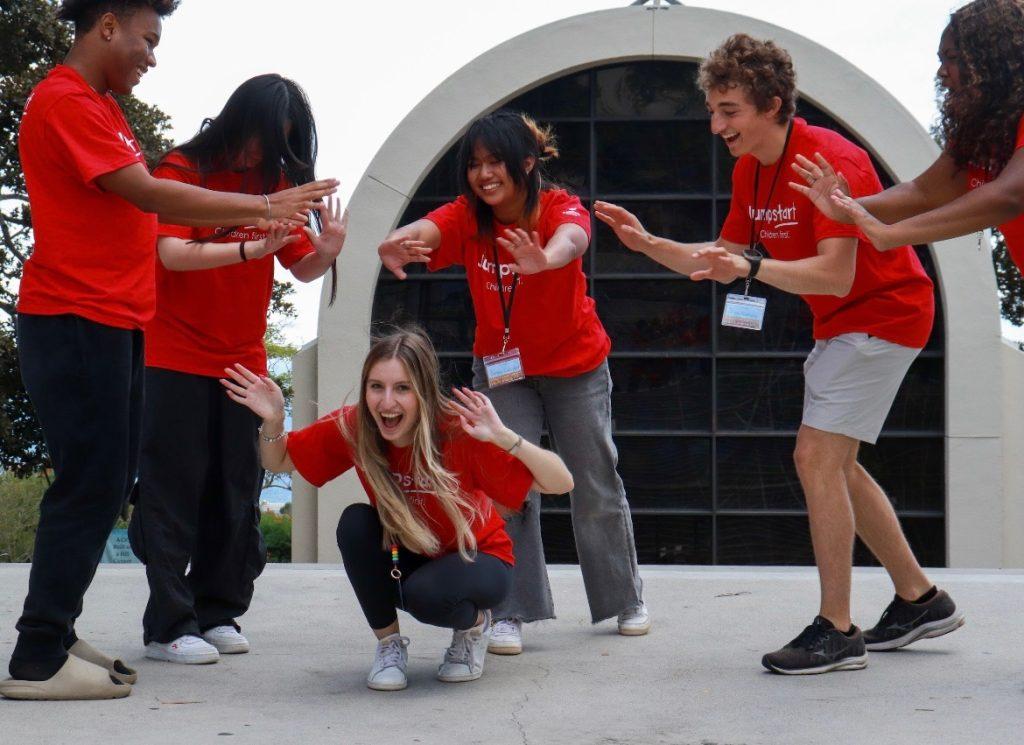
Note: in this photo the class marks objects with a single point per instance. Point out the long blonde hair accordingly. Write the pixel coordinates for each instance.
(413, 349)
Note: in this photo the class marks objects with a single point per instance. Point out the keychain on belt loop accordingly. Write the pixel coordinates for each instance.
(396, 574)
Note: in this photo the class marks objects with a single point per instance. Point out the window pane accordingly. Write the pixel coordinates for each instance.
(788, 324)
(673, 539)
(920, 403)
(911, 470)
(683, 220)
(442, 307)
(456, 371)
(567, 96)
(724, 163)
(442, 181)
(770, 539)
(571, 169)
(760, 394)
(756, 473)
(654, 315)
(659, 394)
(666, 472)
(653, 157)
(650, 90)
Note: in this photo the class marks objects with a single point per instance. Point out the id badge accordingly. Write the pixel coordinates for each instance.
(502, 368)
(744, 311)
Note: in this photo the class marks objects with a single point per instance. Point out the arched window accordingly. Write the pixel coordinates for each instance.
(705, 416)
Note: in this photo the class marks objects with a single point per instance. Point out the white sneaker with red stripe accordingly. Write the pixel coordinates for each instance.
(185, 650)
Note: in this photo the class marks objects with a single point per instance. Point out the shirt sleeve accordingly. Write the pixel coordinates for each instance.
(92, 147)
(453, 221)
(320, 452)
(294, 252)
(564, 209)
(499, 475)
(172, 172)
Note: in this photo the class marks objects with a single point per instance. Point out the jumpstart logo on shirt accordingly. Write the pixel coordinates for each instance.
(773, 220)
(504, 269)
(129, 143)
(413, 488)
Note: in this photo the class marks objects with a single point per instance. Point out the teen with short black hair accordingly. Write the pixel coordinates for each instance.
(85, 294)
(431, 541)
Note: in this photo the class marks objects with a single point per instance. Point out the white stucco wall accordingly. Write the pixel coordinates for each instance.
(976, 511)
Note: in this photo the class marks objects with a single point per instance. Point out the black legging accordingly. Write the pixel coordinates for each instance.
(446, 591)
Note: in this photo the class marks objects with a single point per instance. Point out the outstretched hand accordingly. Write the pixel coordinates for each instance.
(333, 229)
(526, 249)
(881, 235)
(279, 235)
(258, 393)
(821, 181)
(395, 253)
(628, 228)
(477, 416)
(722, 265)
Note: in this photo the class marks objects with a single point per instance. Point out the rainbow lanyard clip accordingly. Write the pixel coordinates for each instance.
(396, 574)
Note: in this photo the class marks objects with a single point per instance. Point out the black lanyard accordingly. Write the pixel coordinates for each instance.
(757, 179)
(506, 310)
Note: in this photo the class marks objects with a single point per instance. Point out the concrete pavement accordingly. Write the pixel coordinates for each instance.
(695, 680)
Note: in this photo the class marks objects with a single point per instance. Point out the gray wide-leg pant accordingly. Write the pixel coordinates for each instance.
(578, 414)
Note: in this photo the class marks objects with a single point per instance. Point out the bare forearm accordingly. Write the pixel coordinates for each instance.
(274, 455)
(549, 471)
(816, 275)
(183, 204)
(897, 203)
(984, 207)
(562, 250)
(310, 267)
(179, 255)
(676, 256)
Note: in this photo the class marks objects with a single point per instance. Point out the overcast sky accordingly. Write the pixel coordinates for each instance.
(366, 64)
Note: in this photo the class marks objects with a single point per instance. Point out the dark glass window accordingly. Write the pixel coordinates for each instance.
(705, 417)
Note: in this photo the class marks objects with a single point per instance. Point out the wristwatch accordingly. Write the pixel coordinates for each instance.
(754, 258)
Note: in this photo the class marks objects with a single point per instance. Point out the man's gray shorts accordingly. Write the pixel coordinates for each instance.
(850, 382)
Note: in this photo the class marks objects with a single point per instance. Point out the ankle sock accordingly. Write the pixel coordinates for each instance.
(927, 596)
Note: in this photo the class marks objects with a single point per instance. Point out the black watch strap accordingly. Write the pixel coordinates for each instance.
(755, 262)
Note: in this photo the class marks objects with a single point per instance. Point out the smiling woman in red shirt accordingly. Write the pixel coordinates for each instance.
(197, 504)
(540, 355)
(431, 541)
(85, 294)
(978, 180)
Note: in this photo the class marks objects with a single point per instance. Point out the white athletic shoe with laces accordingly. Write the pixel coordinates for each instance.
(388, 671)
(506, 636)
(636, 622)
(464, 658)
(185, 650)
(227, 640)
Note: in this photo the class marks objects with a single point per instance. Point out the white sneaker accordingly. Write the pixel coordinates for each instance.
(388, 671)
(186, 650)
(464, 658)
(227, 640)
(506, 636)
(636, 622)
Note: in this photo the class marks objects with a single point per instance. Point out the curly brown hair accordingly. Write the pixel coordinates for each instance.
(979, 120)
(761, 68)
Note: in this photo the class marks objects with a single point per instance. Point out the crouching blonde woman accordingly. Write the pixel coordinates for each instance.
(431, 541)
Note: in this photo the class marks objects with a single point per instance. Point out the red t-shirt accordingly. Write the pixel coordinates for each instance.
(554, 322)
(93, 253)
(891, 297)
(1012, 230)
(485, 472)
(209, 319)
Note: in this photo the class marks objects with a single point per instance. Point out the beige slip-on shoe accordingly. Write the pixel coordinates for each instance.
(115, 666)
(77, 680)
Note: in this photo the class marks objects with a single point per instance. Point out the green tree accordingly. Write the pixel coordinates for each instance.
(33, 42)
(279, 362)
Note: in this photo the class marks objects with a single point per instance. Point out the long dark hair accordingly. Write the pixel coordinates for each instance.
(979, 119)
(512, 138)
(263, 108)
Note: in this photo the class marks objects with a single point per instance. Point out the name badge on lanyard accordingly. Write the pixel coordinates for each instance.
(507, 365)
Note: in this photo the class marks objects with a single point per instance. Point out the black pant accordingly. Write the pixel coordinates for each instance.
(85, 382)
(446, 591)
(198, 502)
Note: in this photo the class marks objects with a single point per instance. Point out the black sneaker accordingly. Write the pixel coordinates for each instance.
(820, 648)
(904, 623)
